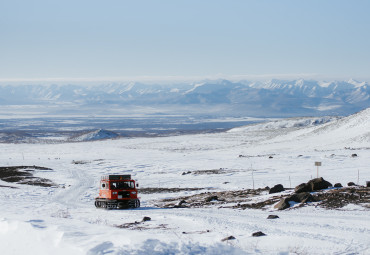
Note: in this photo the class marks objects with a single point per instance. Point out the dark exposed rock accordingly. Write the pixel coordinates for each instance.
(368, 184)
(319, 184)
(354, 155)
(303, 197)
(271, 157)
(283, 204)
(351, 184)
(211, 198)
(338, 185)
(313, 185)
(146, 218)
(181, 204)
(303, 187)
(272, 217)
(80, 162)
(277, 188)
(259, 233)
(228, 238)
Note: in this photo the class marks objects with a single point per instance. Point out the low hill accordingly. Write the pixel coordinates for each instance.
(99, 134)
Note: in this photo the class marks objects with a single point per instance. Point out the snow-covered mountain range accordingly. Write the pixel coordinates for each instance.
(219, 97)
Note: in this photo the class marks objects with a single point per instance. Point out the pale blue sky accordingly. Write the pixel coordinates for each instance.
(118, 38)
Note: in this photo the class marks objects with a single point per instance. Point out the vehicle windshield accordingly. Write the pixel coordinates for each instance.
(122, 185)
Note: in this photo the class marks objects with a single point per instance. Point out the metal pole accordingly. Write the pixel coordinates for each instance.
(317, 164)
(358, 176)
(253, 179)
(317, 171)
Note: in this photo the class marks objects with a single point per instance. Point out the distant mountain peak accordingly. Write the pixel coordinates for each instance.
(356, 83)
(99, 134)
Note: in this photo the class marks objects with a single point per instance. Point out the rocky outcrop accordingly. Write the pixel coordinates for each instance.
(313, 185)
(211, 198)
(319, 184)
(303, 187)
(302, 193)
(228, 238)
(283, 204)
(303, 197)
(259, 233)
(277, 188)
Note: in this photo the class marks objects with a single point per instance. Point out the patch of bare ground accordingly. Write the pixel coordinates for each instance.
(211, 198)
(338, 198)
(251, 199)
(141, 225)
(207, 172)
(197, 232)
(4, 186)
(24, 175)
(256, 205)
(165, 190)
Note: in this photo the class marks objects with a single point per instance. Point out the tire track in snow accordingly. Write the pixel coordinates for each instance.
(73, 195)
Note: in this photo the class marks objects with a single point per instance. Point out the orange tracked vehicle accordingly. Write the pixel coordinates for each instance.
(117, 192)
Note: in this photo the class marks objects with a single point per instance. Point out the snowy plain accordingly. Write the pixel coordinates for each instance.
(64, 220)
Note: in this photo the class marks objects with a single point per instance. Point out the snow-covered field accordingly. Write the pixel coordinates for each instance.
(64, 220)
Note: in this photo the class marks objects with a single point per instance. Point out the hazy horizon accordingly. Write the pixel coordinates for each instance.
(174, 79)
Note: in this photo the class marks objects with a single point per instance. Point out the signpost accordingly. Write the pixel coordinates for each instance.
(317, 164)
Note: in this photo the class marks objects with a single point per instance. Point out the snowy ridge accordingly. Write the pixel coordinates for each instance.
(24, 237)
(350, 131)
(286, 123)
